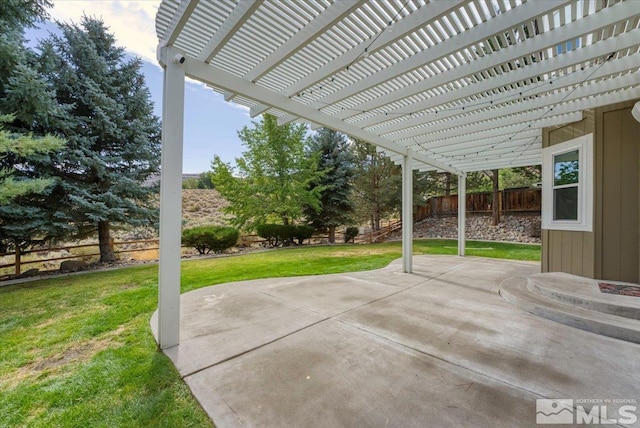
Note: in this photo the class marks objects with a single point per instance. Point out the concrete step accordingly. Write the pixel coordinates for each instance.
(608, 305)
(517, 292)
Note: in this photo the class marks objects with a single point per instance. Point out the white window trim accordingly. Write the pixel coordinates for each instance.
(584, 223)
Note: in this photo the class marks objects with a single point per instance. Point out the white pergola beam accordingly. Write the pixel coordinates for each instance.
(530, 119)
(178, 21)
(228, 96)
(418, 19)
(455, 148)
(500, 134)
(630, 62)
(458, 143)
(461, 154)
(327, 19)
(228, 82)
(524, 160)
(531, 71)
(557, 103)
(507, 131)
(287, 118)
(258, 109)
(465, 39)
(241, 12)
(550, 39)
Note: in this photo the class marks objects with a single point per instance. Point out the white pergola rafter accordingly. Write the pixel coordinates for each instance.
(178, 22)
(502, 134)
(515, 66)
(532, 71)
(327, 19)
(239, 16)
(590, 24)
(203, 72)
(419, 19)
(592, 95)
(463, 40)
(541, 89)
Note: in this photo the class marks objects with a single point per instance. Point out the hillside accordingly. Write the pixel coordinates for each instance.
(202, 206)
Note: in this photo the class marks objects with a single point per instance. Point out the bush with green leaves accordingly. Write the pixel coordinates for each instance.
(278, 234)
(206, 239)
(303, 232)
(350, 234)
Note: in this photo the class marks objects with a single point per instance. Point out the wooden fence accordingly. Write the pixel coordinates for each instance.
(511, 201)
(19, 255)
(117, 247)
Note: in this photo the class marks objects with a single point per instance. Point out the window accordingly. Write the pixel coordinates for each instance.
(567, 185)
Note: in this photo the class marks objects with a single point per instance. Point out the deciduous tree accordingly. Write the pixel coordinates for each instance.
(272, 180)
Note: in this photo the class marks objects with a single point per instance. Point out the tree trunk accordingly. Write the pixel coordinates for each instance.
(104, 238)
(447, 183)
(376, 218)
(495, 204)
(332, 234)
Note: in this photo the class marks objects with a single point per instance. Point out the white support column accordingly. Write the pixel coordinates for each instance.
(407, 213)
(462, 212)
(171, 201)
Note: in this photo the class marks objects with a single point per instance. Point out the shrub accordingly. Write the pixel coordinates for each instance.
(210, 238)
(270, 232)
(277, 234)
(303, 232)
(350, 234)
(190, 183)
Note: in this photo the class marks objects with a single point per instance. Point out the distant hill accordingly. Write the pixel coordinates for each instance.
(156, 178)
(202, 206)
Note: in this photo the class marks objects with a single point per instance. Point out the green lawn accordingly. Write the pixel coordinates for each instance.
(77, 350)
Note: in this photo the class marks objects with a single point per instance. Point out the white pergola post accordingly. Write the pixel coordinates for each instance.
(407, 213)
(462, 212)
(171, 201)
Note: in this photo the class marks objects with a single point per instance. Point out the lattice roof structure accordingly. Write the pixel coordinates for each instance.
(460, 85)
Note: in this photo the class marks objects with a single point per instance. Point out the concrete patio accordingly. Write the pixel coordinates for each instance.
(438, 347)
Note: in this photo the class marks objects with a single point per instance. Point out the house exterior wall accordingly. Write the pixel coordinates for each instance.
(568, 251)
(612, 250)
(618, 216)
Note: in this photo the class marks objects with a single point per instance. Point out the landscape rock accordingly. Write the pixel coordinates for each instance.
(73, 266)
(512, 228)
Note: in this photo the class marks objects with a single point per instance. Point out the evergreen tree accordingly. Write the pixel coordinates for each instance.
(273, 177)
(27, 108)
(337, 162)
(113, 136)
(25, 196)
(377, 184)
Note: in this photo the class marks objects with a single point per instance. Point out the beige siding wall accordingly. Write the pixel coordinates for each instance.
(617, 252)
(612, 250)
(564, 251)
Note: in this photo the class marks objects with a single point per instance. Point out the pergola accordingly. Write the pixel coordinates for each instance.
(444, 85)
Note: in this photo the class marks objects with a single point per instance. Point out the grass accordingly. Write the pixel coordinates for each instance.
(78, 351)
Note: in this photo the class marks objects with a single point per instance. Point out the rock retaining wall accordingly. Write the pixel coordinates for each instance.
(511, 228)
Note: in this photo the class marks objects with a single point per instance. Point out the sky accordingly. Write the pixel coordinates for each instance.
(211, 124)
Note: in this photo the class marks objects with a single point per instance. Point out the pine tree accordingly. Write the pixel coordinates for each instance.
(273, 177)
(27, 107)
(377, 184)
(337, 162)
(113, 136)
